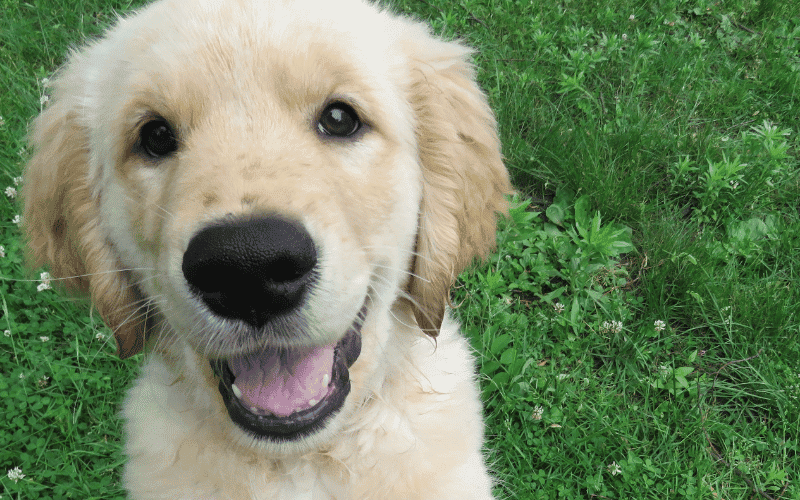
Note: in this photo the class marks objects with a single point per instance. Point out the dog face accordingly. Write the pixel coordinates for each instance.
(254, 188)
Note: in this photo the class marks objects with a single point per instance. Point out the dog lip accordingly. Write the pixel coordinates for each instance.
(304, 422)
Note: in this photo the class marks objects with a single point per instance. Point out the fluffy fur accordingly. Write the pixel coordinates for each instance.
(396, 211)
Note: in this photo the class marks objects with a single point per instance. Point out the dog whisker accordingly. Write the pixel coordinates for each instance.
(404, 295)
(75, 276)
(164, 211)
(399, 270)
(405, 251)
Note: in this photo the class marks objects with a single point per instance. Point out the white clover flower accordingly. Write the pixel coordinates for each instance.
(624, 36)
(537, 413)
(44, 338)
(45, 284)
(559, 307)
(659, 325)
(562, 376)
(15, 474)
(44, 100)
(2, 251)
(2, 121)
(11, 192)
(631, 17)
(16, 219)
(614, 469)
(7, 333)
(613, 326)
(17, 180)
(100, 336)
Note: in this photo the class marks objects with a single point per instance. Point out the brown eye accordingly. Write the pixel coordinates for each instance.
(157, 139)
(339, 120)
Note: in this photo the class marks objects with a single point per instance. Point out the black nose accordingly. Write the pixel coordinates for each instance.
(251, 269)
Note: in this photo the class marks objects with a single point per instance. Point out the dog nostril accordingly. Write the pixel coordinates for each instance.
(251, 269)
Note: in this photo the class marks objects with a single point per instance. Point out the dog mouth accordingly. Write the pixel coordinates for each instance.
(283, 394)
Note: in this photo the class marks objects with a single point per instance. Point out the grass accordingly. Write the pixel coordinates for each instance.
(638, 326)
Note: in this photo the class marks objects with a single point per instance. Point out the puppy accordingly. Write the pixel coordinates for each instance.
(271, 198)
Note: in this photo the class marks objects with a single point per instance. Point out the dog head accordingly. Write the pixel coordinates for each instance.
(261, 183)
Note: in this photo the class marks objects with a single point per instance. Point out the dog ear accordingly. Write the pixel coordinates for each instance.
(61, 220)
(464, 179)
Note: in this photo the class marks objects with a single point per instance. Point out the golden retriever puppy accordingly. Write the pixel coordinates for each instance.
(271, 198)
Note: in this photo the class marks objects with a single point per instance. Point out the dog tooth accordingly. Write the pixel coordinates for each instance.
(255, 410)
(236, 391)
(312, 402)
(326, 380)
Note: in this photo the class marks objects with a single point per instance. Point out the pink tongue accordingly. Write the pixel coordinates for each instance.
(283, 381)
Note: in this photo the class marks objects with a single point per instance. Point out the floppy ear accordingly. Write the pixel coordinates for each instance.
(61, 221)
(464, 179)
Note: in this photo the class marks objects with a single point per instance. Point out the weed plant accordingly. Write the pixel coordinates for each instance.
(637, 328)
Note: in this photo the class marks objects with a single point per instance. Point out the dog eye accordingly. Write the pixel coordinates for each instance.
(157, 139)
(339, 120)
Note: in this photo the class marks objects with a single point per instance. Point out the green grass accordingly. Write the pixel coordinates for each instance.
(656, 147)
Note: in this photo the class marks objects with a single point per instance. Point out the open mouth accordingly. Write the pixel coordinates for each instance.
(284, 394)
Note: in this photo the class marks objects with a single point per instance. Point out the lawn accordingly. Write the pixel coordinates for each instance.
(637, 328)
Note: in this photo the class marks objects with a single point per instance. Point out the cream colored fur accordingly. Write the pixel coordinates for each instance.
(397, 212)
